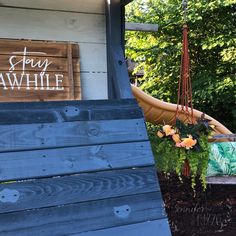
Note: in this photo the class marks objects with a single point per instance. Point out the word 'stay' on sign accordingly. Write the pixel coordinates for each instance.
(39, 71)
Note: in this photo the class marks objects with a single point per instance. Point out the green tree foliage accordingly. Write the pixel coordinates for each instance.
(212, 44)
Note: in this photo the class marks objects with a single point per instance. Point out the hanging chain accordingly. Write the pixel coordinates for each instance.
(185, 7)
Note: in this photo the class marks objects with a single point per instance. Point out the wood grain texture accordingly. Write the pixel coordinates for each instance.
(93, 86)
(120, 74)
(51, 135)
(93, 70)
(78, 188)
(149, 228)
(64, 111)
(30, 72)
(82, 217)
(53, 49)
(52, 82)
(48, 25)
(41, 163)
(70, 112)
(32, 95)
(58, 64)
(88, 6)
(118, 78)
(89, 105)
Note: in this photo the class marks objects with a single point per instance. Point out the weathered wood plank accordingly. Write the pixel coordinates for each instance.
(39, 163)
(120, 73)
(88, 6)
(93, 86)
(76, 188)
(51, 82)
(29, 94)
(24, 113)
(95, 104)
(49, 135)
(48, 25)
(46, 90)
(68, 114)
(221, 180)
(82, 217)
(26, 72)
(53, 49)
(70, 70)
(149, 228)
(118, 79)
(57, 64)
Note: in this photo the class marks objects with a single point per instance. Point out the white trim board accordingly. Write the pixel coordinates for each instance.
(88, 6)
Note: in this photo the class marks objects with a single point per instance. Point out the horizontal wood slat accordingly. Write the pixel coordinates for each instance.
(78, 188)
(88, 6)
(53, 49)
(57, 64)
(32, 94)
(45, 112)
(47, 25)
(94, 104)
(93, 86)
(51, 135)
(149, 228)
(82, 217)
(39, 163)
(51, 82)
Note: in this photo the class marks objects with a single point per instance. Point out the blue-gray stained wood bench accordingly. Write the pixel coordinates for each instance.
(78, 168)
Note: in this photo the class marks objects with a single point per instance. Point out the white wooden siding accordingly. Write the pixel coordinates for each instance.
(93, 57)
(92, 89)
(88, 30)
(90, 6)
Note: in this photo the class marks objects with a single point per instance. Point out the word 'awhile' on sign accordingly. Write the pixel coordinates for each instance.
(39, 71)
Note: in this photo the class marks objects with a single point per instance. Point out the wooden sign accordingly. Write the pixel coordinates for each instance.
(39, 71)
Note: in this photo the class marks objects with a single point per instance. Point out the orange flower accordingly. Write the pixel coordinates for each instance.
(188, 142)
(178, 145)
(176, 138)
(168, 130)
(160, 134)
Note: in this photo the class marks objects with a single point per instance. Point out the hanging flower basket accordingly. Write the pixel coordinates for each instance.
(183, 149)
